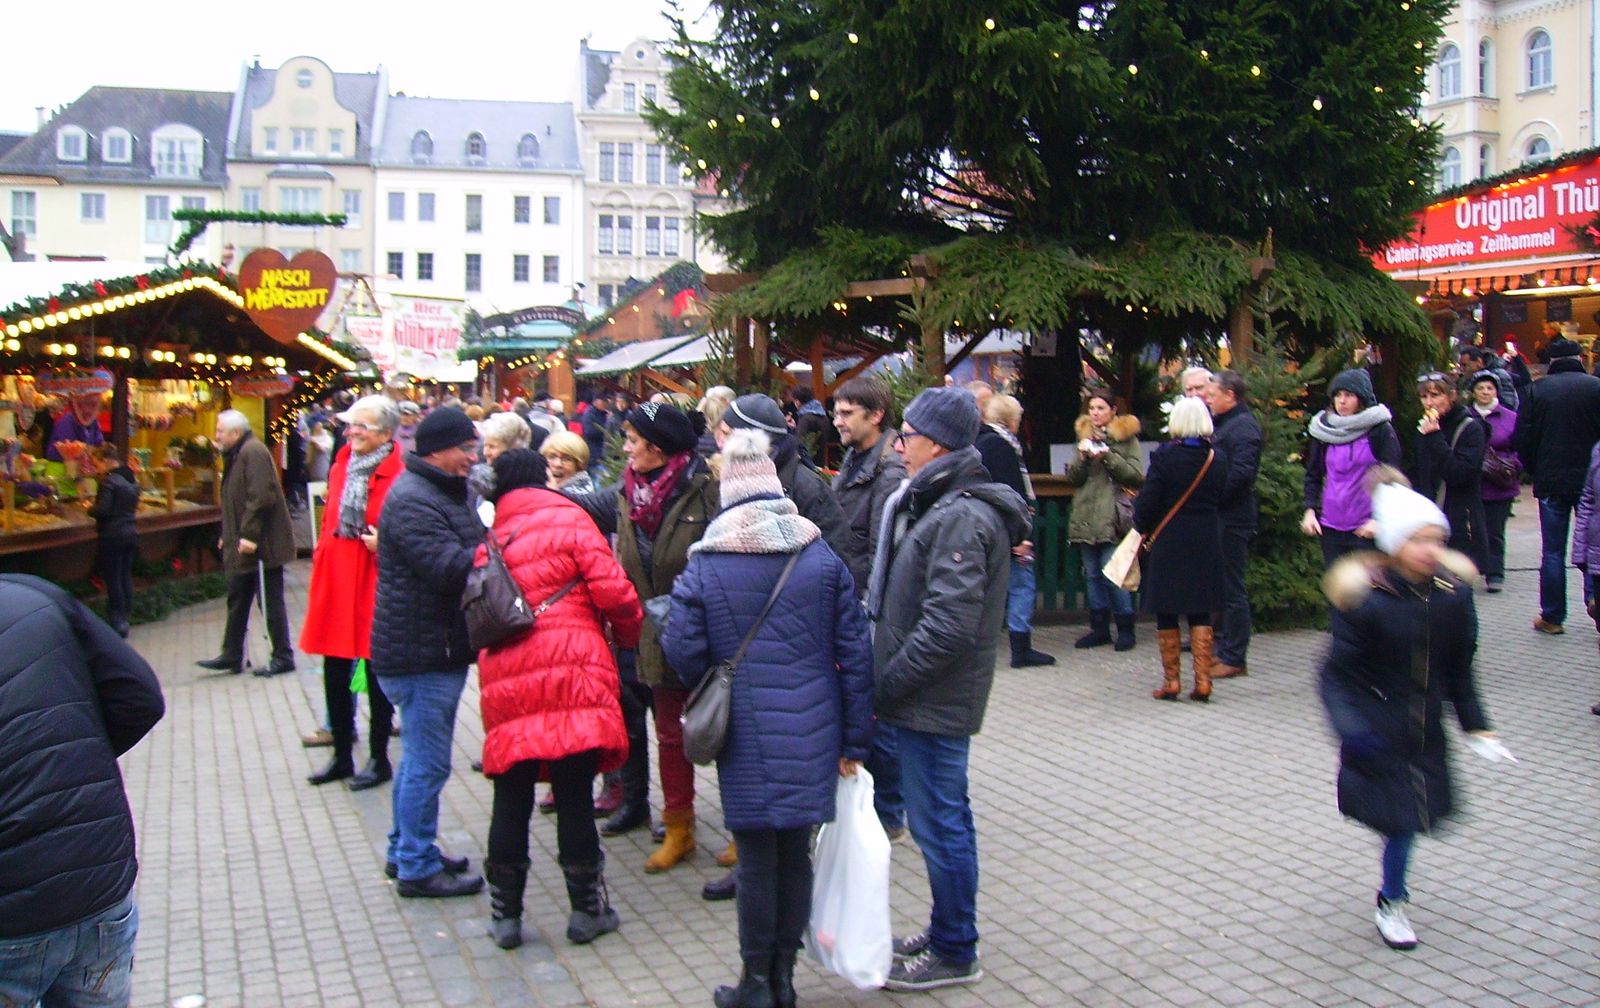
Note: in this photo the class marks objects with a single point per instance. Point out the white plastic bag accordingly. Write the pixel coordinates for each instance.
(849, 932)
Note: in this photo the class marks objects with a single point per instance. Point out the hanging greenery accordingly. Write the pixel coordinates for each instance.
(1514, 174)
(196, 222)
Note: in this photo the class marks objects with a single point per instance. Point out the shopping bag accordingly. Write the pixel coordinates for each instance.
(358, 678)
(1122, 569)
(849, 931)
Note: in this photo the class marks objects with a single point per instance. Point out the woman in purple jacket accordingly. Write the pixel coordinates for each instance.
(1500, 484)
(1346, 441)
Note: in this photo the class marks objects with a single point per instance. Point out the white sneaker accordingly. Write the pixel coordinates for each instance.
(1393, 926)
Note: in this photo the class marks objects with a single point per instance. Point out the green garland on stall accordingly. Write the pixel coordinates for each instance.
(1513, 174)
(197, 221)
(98, 290)
(680, 276)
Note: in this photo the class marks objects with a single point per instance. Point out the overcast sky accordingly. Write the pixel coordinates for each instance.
(451, 49)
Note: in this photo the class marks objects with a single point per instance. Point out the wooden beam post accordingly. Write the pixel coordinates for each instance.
(933, 351)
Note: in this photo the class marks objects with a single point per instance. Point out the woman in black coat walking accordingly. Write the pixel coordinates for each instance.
(1183, 568)
(1404, 634)
(1449, 464)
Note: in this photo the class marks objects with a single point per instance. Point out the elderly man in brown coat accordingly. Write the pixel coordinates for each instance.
(256, 542)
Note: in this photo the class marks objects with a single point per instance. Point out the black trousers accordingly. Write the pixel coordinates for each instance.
(637, 703)
(1495, 514)
(774, 890)
(336, 676)
(1233, 627)
(1336, 543)
(1169, 621)
(572, 781)
(241, 596)
(116, 570)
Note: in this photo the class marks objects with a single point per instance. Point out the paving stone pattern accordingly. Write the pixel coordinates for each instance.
(1133, 852)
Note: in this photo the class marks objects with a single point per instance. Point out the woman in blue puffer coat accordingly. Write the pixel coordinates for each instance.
(801, 705)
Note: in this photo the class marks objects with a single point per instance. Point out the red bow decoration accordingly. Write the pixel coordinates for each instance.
(143, 282)
(100, 288)
(53, 305)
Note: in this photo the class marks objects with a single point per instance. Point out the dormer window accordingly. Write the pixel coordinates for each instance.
(72, 143)
(116, 146)
(177, 151)
(528, 149)
(477, 150)
(421, 147)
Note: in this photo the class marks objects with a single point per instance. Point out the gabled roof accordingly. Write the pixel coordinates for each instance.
(360, 93)
(502, 124)
(140, 111)
(9, 141)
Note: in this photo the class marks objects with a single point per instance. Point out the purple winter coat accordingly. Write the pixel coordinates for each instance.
(1586, 527)
(1502, 429)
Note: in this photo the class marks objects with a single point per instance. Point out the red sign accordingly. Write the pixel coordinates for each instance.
(1531, 217)
(262, 386)
(284, 296)
(72, 382)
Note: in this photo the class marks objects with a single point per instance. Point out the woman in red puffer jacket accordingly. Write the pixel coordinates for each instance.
(550, 698)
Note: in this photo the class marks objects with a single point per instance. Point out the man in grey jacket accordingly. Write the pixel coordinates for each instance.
(937, 597)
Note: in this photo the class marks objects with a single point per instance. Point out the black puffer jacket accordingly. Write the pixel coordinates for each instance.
(865, 481)
(814, 501)
(1238, 443)
(426, 538)
(1557, 424)
(115, 505)
(73, 697)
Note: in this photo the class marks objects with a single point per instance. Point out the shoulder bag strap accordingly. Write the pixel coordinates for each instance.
(1150, 540)
(1455, 439)
(744, 645)
(558, 596)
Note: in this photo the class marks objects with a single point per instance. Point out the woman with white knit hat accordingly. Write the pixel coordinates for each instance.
(1404, 634)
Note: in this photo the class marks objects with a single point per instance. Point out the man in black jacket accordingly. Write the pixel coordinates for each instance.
(426, 538)
(1238, 444)
(73, 697)
(1557, 427)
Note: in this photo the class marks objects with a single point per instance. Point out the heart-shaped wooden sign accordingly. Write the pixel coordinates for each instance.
(284, 297)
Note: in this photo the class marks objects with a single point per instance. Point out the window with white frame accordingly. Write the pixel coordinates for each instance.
(552, 209)
(1449, 71)
(157, 220)
(652, 235)
(302, 141)
(425, 207)
(250, 199)
(519, 268)
(421, 147)
(670, 237)
(178, 152)
(474, 271)
(24, 212)
(350, 260)
(395, 264)
(424, 265)
(1450, 168)
(630, 98)
(336, 141)
(652, 164)
(72, 143)
(477, 149)
(397, 206)
(351, 201)
(649, 94)
(522, 209)
(269, 139)
(116, 145)
(1538, 149)
(608, 295)
(625, 162)
(625, 234)
(1485, 67)
(474, 213)
(528, 149)
(608, 162)
(1541, 60)
(92, 207)
(605, 237)
(300, 199)
(552, 269)
(1485, 160)
(193, 202)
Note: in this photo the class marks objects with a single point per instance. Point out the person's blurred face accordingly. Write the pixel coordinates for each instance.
(1486, 394)
(363, 433)
(1346, 403)
(1100, 412)
(857, 428)
(1194, 386)
(723, 432)
(560, 468)
(642, 456)
(493, 448)
(1436, 399)
(1218, 399)
(915, 448)
(456, 460)
(227, 437)
(1418, 557)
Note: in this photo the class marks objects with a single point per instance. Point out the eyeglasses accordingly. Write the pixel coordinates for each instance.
(354, 425)
(901, 438)
(1433, 376)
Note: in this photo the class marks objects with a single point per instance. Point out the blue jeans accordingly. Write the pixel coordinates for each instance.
(1021, 594)
(84, 965)
(427, 704)
(1555, 522)
(1103, 594)
(933, 776)
(1396, 856)
(883, 763)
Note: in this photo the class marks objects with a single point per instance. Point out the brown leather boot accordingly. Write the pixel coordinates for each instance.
(678, 845)
(1200, 648)
(730, 855)
(1170, 641)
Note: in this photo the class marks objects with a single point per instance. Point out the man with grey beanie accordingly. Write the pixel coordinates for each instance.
(937, 599)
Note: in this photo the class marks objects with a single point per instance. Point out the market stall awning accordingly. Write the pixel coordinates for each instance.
(696, 351)
(632, 356)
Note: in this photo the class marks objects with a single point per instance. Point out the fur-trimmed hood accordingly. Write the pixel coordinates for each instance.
(1348, 582)
(1121, 428)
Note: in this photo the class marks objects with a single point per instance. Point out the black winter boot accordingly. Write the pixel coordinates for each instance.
(1022, 653)
(783, 979)
(506, 884)
(635, 808)
(592, 915)
(755, 986)
(1099, 630)
(1124, 634)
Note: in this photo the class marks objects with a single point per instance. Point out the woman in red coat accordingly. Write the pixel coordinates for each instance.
(551, 698)
(344, 584)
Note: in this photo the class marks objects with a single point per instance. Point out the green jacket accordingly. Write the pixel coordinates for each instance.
(684, 523)
(1099, 480)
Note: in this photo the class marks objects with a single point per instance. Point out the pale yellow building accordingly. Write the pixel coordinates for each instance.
(1513, 82)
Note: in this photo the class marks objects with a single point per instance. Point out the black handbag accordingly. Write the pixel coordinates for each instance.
(495, 611)
(705, 713)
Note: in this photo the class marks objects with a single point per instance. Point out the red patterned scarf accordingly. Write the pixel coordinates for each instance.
(647, 502)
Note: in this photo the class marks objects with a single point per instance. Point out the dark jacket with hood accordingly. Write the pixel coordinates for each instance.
(73, 697)
(1557, 424)
(809, 491)
(1449, 472)
(865, 481)
(426, 538)
(115, 505)
(944, 597)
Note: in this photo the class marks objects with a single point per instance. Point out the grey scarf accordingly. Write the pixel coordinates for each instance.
(1333, 429)
(353, 501)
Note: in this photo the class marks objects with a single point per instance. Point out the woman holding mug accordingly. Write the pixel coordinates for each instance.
(1106, 471)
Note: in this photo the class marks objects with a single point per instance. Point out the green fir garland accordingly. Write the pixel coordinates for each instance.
(196, 222)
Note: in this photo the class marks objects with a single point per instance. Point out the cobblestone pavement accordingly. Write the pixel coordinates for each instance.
(1133, 852)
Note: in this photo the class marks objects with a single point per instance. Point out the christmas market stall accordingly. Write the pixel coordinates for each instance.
(101, 361)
